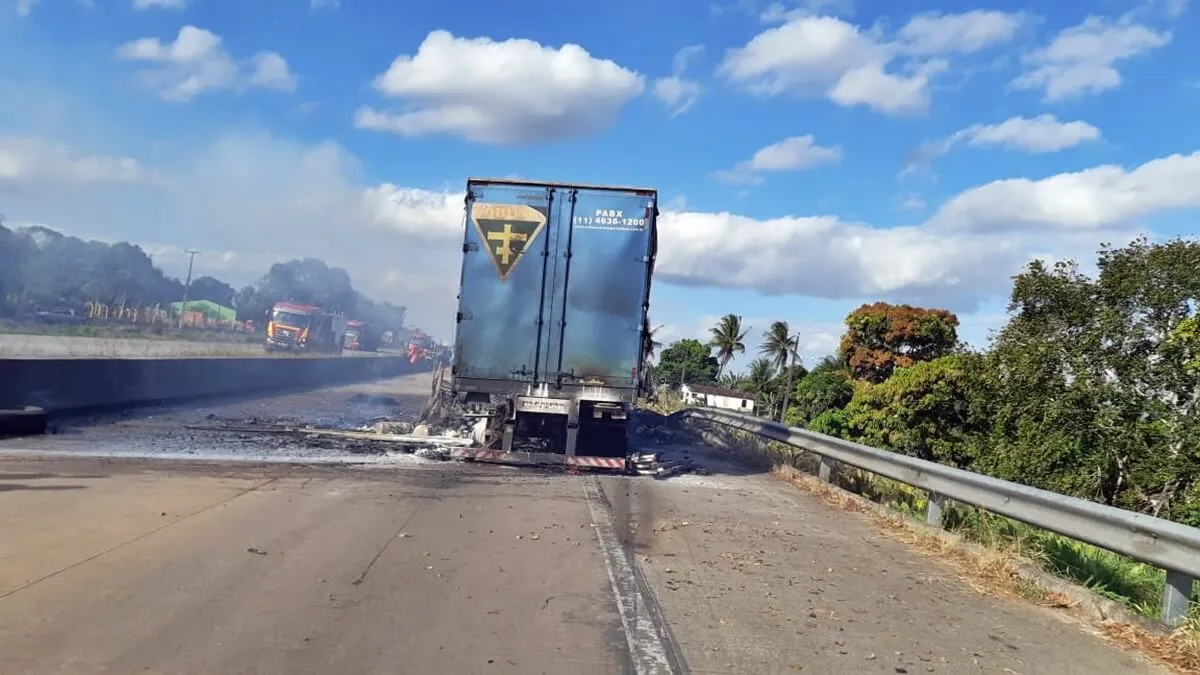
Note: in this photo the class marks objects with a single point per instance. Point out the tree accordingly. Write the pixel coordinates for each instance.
(881, 337)
(1091, 383)
(686, 361)
(761, 382)
(727, 337)
(732, 381)
(833, 363)
(816, 393)
(308, 281)
(213, 290)
(780, 346)
(930, 410)
(649, 344)
(41, 268)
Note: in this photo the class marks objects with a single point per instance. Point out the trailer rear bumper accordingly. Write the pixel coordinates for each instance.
(641, 464)
(540, 458)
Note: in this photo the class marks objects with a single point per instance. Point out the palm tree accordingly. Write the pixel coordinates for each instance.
(759, 377)
(781, 346)
(778, 344)
(649, 344)
(835, 363)
(732, 381)
(649, 347)
(727, 337)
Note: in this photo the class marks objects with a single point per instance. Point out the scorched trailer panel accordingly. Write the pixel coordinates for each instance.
(555, 288)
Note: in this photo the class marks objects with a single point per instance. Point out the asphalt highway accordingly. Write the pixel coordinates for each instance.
(244, 559)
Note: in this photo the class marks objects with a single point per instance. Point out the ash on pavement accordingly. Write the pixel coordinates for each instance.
(192, 430)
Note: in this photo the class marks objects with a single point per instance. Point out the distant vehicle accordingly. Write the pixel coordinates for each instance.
(421, 347)
(552, 318)
(354, 335)
(59, 316)
(293, 326)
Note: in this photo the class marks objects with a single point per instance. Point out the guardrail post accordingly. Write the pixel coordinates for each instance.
(1176, 600)
(935, 509)
(825, 470)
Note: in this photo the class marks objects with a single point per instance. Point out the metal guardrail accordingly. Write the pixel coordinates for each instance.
(1163, 543)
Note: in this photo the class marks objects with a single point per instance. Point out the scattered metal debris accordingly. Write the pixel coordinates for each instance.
(663, 453)
(664, 463)
(378, 438)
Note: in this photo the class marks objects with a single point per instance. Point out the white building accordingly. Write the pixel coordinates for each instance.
(718, 397)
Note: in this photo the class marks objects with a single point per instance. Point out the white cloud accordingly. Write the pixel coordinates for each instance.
(1042, 134)
(27, 162)
(1081, 59)
(24, 7)
(936, 33)
(197, 62)
(510, 92)
(825, 55)
(790, 154)
(964, 253)
(676, 203)
(887, 92)
(1172, 9)
(804, 52)
(159, 4)
(780, 12)
(324, 4)
(912, 202)
(676, 92)
(823, 256)
(1101, 197)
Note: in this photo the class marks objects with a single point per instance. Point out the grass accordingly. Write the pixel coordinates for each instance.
(667, 403)
(1005, 542)
(1131, 583)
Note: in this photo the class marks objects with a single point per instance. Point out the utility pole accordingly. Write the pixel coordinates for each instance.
(787, 392)
(187, 285)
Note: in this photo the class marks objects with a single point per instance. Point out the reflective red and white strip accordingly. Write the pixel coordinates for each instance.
(598, 462)
(593, 462)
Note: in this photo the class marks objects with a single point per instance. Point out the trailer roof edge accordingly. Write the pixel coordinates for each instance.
(517, 182)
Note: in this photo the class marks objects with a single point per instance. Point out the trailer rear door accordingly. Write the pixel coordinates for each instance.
(509, 238)
(598, 291)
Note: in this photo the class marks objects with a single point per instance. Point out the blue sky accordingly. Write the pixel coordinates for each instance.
(810, 156)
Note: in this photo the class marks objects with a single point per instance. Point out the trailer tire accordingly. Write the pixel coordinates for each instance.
(31, 421)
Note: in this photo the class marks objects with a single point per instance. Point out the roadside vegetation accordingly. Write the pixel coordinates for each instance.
(53, 284)
(1092, 389)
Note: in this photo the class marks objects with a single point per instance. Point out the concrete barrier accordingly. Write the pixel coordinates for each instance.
(64, 385)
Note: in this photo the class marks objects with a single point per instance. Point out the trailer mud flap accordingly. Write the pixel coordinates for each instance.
(538, 458)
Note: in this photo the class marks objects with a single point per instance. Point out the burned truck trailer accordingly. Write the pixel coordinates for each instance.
(551, 321)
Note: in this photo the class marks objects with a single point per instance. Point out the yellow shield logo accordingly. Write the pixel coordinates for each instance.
(507, 231)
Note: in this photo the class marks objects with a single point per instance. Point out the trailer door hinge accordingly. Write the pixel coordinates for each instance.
(470, 246)
(463, 316)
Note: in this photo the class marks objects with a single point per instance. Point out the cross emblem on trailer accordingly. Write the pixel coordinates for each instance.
(504, 242)
(507, 230)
